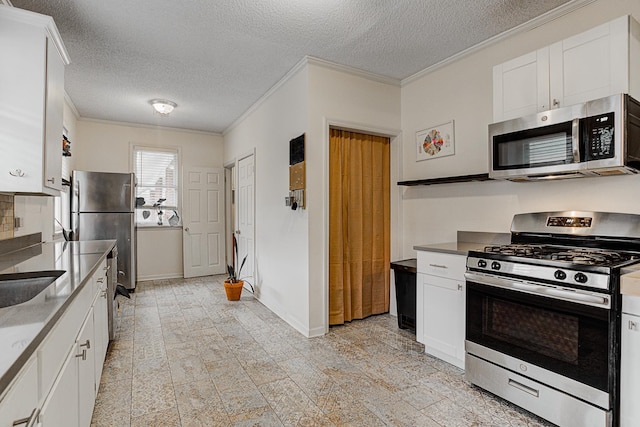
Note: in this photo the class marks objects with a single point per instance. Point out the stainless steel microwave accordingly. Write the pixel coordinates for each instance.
(597, 138)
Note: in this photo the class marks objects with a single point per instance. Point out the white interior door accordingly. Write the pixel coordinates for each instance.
(203, 235)
(245, 211)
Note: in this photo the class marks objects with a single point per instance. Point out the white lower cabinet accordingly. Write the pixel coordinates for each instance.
(101, 326)
(20, 404)
(440, 314)
(630, 362)
(85, 358)
(59, 408)
(57, 387)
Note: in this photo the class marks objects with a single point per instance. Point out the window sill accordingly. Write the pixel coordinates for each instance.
(158, 227)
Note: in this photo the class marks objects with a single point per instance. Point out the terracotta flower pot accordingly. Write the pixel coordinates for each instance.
(233, 290)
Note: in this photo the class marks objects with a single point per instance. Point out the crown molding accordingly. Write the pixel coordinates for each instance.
(71, 105)
(353, 71)
(522, 28)
(302, 64)
(145, 126)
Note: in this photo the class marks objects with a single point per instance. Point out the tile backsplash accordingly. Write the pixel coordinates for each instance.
(6, 216)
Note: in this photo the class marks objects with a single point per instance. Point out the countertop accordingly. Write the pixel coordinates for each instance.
(630, 280)
(467, 241)
(24, 326)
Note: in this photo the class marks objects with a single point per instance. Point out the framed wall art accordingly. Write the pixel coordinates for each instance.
(436, 141)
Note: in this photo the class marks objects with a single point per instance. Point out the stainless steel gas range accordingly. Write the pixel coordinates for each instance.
(543, 314)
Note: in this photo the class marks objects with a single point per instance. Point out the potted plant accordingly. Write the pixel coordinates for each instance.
(234, 283)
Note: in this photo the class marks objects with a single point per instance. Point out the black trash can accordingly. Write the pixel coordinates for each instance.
(405, 275)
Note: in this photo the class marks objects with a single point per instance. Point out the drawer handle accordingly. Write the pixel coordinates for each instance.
(522, 387)
(18, 173)
(30, 421)
(438, 266)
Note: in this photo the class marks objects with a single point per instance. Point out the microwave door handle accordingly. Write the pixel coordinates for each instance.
(575, 140)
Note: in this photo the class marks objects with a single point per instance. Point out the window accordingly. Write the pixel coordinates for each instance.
(157, 195)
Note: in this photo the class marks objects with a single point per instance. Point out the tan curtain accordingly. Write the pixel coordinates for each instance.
(358, 226)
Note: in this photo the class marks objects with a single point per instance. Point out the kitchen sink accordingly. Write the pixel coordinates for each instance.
(21, 287)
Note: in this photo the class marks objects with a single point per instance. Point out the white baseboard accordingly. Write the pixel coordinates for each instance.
(159, 277)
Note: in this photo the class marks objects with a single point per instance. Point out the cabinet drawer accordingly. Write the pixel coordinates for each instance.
(631, 304)
(450, 266)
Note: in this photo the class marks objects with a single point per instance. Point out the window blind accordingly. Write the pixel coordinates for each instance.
(157, 178)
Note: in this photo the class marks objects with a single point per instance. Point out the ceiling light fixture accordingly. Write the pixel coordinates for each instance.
(163, 106)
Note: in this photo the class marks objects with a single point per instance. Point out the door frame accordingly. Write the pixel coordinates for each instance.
(231, 199)
(395, 175)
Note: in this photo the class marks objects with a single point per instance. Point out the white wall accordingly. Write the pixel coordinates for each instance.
(291, 247)
(463, 91)
(360, 104)
(281, 244)
(105, 147)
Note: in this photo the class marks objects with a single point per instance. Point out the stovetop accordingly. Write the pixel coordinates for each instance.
(576, 256)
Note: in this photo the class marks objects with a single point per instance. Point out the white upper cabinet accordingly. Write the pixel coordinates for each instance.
(32, 88)
(521, 86)
(587, 66)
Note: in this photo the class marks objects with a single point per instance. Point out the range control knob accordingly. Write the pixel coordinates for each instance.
(495, 265)
(560, 275)
(580, 278)
(482, 263)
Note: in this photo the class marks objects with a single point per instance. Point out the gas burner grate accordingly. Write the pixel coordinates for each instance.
(589, 256)
(530, 251)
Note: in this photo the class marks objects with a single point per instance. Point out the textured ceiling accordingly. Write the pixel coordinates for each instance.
(216, 58)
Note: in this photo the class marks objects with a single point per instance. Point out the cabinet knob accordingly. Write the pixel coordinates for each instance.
(83, 354)
(459, 287)
(633, 325)
(17, 172)
(87, 344)
(556, 103)
(51, 180)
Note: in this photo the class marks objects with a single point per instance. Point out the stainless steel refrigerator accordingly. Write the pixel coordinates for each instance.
(102, 207)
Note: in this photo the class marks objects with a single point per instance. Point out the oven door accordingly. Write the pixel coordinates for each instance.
(572, 339)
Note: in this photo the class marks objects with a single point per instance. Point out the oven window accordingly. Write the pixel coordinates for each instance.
(543, 331)
(570, 339)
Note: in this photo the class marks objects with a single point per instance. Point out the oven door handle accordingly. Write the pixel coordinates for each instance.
(574, 296)
(541, 290)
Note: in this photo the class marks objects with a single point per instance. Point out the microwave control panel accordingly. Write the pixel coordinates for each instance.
(600, 136)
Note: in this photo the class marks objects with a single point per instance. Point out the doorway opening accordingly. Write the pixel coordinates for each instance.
(359, 225)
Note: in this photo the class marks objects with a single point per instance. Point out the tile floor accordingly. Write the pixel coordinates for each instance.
(184, 356)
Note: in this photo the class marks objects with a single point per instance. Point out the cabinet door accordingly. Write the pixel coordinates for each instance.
(590, 65)
(54, 106)
(22, 397)
(101, 326)
(86, 371)
(630, 371)
(21, 113)
(443, 318)
(60, 406)
(521, 86)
